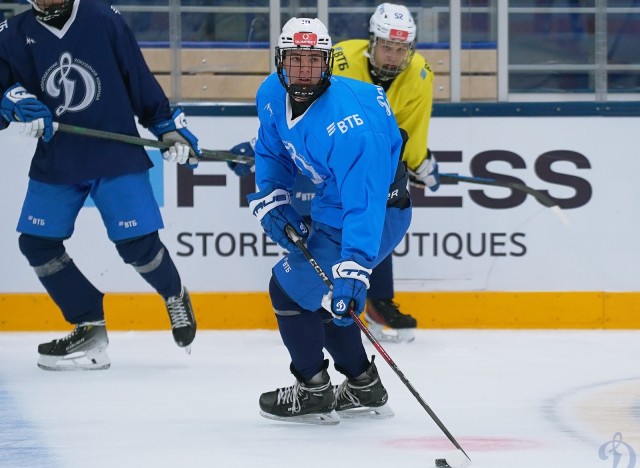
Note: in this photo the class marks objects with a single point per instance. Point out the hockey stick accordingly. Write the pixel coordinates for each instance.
(213, 155)
(537, 194)
(296, 239)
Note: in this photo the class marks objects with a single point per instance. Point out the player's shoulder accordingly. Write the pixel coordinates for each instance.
(270, 85)
(418, 75)
(101, 6)
(352, 46)
(11, 26)
(99, 9)
(269, 92)
(346, 85)
(349, 96)
(420, 65)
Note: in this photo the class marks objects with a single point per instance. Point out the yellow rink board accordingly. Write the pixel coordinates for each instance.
(237, 311)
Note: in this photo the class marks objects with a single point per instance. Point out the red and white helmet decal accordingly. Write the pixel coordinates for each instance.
(398, 35)
(305, 39)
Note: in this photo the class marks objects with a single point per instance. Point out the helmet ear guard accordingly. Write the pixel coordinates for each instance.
(304, 34)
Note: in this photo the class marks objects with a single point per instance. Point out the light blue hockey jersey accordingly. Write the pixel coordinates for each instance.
(347, 142)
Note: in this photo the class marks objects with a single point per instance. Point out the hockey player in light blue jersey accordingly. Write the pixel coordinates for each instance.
(343, 136)
(77, 62)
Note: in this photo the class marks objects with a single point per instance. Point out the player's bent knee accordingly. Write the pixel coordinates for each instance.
(144, 253)
(46, 255)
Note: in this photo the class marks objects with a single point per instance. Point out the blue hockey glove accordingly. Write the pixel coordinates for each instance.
(19, 106)
(350, 284)
(428, 173)
(243, 149)
(185, 148)
(272, 207)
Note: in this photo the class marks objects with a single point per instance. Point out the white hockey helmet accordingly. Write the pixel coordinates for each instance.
(391, 23)
(47, 10)
(304, 34)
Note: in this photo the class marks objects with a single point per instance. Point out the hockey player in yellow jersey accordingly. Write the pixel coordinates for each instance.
(388, 59)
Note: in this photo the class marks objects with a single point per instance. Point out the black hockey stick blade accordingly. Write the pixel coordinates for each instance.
(296, 239)
(214, 155)
(543, 199)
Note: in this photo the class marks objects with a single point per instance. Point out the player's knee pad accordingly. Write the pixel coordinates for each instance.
(46, 256)
(144, 253)
(283, 305)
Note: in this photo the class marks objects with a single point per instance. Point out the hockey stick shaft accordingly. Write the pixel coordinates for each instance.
(213, 155)
(541, 197)
(296, 239)
(537, 194)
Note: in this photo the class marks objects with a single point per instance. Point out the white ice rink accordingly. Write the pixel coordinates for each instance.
(514, 399)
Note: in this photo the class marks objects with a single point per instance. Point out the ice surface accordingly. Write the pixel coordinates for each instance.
(516, 399)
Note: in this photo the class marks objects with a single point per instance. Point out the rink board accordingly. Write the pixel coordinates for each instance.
(474, 256)
(240, 311)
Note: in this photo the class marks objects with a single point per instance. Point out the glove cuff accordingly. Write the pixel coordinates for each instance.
(177, 121)
(426, 167)
(351, 270)
(261, 204)
(10, 99)
(17, 93)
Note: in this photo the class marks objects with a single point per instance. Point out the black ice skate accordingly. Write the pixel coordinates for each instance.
(387, 323)
(183, 322)
(363, 397)
(85, 348)
(310, 402)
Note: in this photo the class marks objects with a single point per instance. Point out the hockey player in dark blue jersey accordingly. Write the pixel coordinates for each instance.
(76, 62)
(342, 135)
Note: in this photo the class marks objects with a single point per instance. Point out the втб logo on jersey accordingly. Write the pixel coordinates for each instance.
(70, 78)
(345, 124)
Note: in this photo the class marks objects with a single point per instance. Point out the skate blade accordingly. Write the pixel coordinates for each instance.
(93, 360)
(392, 335)
(367, 412)
(324, 419)
(187, 349)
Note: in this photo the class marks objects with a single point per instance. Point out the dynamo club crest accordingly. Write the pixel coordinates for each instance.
(621, 454)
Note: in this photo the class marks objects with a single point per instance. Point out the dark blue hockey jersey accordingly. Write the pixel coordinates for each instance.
(90, 73)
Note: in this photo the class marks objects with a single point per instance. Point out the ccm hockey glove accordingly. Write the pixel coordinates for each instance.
(185, 148)
(19, 106)
(273, 208)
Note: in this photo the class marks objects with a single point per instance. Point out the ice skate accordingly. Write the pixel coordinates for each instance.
(183, 322)
(311, 403)
(387, 323)
(85, 348)
(363, 397)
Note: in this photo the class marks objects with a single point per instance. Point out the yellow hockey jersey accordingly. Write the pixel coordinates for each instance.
(410, 94)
